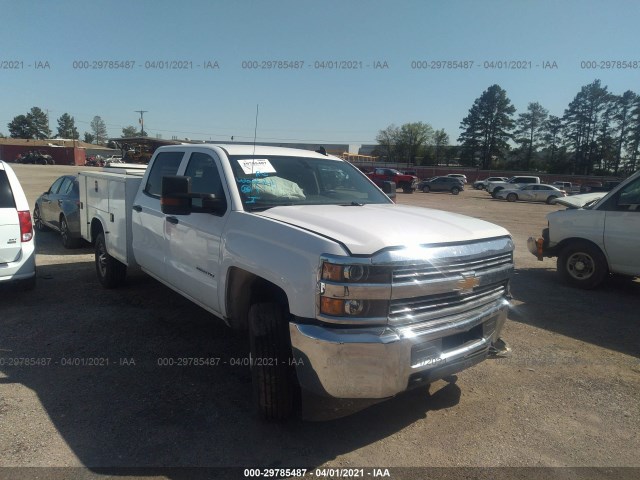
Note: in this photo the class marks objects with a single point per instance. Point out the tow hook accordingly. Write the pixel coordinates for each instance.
(499, 349)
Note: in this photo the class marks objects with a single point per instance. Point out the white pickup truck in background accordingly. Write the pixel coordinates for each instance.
(294, 248)
(598, 234)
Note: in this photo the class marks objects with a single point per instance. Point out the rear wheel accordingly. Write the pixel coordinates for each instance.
(272, 370)
(37, 220)
(512, 197)
(68, 241)
(111, 273)
(582, 265)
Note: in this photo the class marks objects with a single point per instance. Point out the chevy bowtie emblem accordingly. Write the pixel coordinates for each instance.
(468, 283)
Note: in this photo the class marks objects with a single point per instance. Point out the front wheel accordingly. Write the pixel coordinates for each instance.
(272, 369)
(407, 190)
(582, 264)
(551, 199)
(111, 273)
(512, 197)
(455, 190)
(426, 189)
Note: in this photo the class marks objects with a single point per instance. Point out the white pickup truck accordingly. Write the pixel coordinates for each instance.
(598, 234)
(296, 248)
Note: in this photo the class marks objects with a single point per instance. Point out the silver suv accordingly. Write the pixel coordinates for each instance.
(17, 245)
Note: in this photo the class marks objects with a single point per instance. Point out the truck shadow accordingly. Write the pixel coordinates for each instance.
(607, 316)
(114, 387)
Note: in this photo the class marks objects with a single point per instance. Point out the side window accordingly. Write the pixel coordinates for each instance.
(65, 187)
(6, 194)
(56, 185)
(629, 197)
(205, 176)
(166, 163)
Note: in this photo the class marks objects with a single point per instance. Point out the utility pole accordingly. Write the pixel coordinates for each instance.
(141, 112)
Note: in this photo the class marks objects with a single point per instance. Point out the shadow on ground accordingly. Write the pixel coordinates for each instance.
(108, 390)
(607, 317)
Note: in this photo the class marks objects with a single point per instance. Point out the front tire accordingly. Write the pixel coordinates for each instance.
(455, 190)
(582, 264)
(111, 273)
(426, 189)
(512, 197)
(272, 371)
(551, 199)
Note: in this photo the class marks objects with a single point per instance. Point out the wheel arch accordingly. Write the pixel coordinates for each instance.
(568, 241)
(243, 290)
(95, 229)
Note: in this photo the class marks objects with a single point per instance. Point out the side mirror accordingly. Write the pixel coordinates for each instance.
(176, 198)
(175, 195)
(390, 189)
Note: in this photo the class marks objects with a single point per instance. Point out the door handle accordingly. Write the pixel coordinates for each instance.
(137, 208)
(173, 220)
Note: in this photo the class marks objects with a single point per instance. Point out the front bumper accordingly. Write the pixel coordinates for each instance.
(370, 363)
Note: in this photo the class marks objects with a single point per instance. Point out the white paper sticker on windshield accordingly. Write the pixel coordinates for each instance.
(252, 166)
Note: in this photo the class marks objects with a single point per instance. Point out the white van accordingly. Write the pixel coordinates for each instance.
(17, 245)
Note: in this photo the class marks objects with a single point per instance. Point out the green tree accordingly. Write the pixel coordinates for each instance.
(440, 142)
(99, 130)
(581, 124)
(529, 130)
(387, 140)
(487, 127)
(88, 137)
(129, 131)
(632, 144)
(20, 127)
(67, 127)
(39, 123)
(412, 139)
(623, 116)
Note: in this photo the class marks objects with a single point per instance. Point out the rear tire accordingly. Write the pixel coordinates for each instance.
(37, 220)
(111, 273)
(67, 240)
(582, 264)
(272, 371)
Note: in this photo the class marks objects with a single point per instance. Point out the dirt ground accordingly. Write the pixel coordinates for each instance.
(566, 397)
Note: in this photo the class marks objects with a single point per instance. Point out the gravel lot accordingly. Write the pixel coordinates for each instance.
(566, 397)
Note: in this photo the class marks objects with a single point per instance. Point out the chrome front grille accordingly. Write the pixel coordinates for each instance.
(439, 308)
(457, 283)
(443, 269)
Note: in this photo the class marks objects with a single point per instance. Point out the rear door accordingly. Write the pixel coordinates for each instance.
(148, 221)
(10, 244)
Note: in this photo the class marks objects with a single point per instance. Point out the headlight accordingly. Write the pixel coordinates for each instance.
(356, 273)
(354, 290)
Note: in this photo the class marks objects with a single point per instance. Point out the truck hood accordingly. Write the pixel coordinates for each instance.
(367, 229)
(579, 201)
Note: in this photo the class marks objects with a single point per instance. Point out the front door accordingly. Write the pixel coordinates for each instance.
(194, 241)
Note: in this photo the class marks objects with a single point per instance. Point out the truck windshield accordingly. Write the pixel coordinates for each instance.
(271, 181)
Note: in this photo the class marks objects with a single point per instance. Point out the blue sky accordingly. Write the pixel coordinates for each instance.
(315, 105)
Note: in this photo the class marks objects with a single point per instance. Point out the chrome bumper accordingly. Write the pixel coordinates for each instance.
(377, 363)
